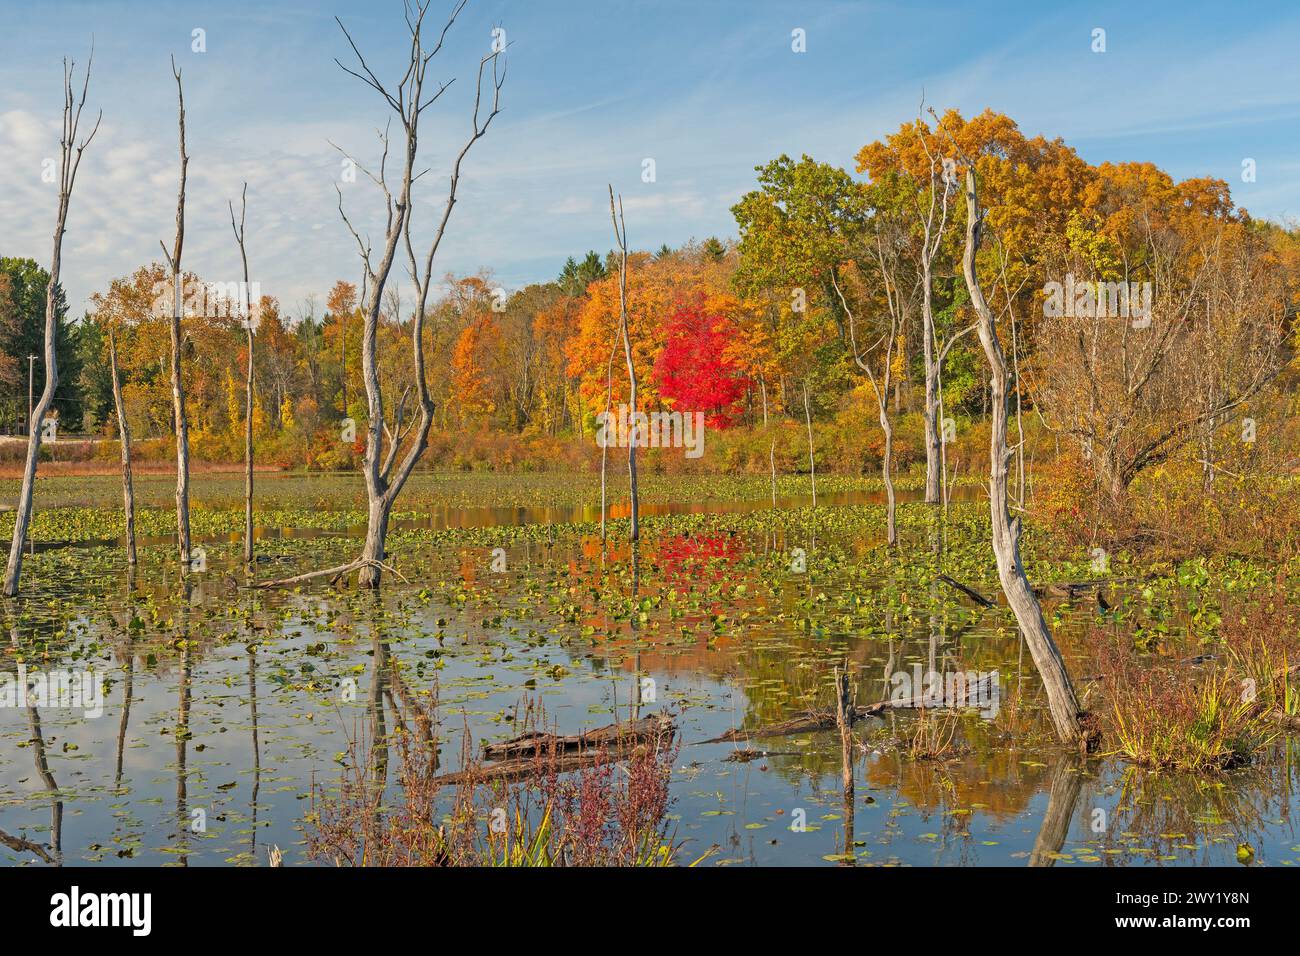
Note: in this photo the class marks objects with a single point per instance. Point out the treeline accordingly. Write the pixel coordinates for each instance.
(1147, 320)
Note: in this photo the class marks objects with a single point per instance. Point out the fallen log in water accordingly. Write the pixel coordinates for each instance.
(1072, 589)
(971, 593)
(535, 754)
(826, 719)
(521, 768)
(526, 745)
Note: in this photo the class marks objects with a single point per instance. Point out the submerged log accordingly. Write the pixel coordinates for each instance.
(971, 593)
(521, 768)
(827, 719)
(526, 745)
(535, 754)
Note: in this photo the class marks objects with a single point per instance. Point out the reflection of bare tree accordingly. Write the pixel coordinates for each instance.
(182, 735)
(378, 718)
(51, 785)
(636, 643)
(422, 716)
(1062, 796)
(257, 752)
(844, 720)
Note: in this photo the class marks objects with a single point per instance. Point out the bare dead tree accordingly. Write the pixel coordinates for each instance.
(1062, 702)
(124, 438)
(250, 326)
(634, 436)
(932, 221)
(70, 152)
(179, 420)
(384, 474)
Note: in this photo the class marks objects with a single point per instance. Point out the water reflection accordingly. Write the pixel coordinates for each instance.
(248, 688)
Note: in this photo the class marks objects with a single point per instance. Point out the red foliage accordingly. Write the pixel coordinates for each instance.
(694, 372)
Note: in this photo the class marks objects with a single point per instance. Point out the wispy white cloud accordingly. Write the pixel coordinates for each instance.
(708, 94)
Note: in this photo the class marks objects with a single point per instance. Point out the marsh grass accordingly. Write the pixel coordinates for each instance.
(933, 736)
(612, 812)
(1168, 718)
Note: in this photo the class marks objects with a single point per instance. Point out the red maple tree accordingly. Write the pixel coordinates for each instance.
(693, 371)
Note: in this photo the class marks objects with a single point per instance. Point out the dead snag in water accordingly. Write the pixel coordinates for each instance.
(179, 420)
(1071, 726)
(250, 326)
(70, 162)
(385, 473)
(124, 438)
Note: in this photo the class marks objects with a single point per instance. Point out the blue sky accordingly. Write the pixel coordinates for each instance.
(708, 89)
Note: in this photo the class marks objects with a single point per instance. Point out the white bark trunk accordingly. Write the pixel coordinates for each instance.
(70, 161)
(124, 437)
(1062, 702)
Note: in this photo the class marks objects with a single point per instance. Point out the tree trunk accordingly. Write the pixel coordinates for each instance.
(933, 466)
(376, 540)
(249, 326)
(70, 161)
(248, 458)
(1063, 703)
(891, 507)
(124, 437)
(812, 459)
(23, 517)
(182, 437)
(620, 233)
(376, 486)
(179, 420)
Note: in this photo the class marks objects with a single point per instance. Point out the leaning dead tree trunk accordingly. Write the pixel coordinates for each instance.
(69, 160)
(1063, 703)
(250, 326)
(384, 475)
(124, 438)
(179, 420)
(634, 435)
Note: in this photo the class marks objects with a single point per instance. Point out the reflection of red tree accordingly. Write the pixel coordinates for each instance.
(694, 371)
(689, 555)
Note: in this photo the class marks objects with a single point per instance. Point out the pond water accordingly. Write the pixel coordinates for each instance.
(224, 706)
